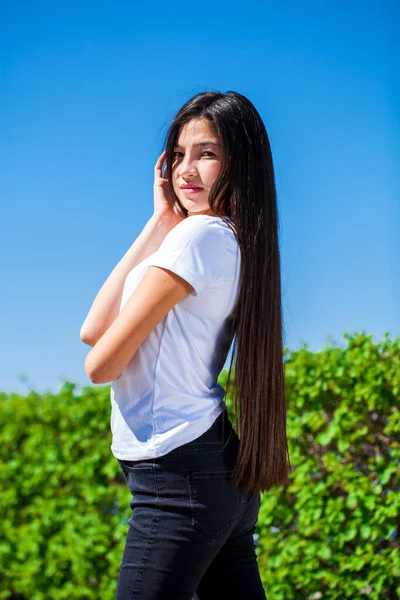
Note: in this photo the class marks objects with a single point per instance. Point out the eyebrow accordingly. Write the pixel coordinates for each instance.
(200, 144)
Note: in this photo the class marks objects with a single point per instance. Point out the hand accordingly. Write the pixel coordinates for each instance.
(165, 204)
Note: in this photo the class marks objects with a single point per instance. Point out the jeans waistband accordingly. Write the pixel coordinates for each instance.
(216, 437)
(218, 432)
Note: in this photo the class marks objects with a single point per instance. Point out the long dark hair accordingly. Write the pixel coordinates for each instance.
(245, 192)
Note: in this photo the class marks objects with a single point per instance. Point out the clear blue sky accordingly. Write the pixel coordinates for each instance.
(85, 91)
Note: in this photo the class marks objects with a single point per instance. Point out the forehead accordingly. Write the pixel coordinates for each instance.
(196, 131)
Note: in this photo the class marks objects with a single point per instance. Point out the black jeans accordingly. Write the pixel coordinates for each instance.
(191, 531)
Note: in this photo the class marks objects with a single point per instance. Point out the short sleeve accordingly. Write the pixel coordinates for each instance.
(195, 250)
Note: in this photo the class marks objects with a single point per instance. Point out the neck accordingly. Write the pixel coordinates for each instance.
(206, 211)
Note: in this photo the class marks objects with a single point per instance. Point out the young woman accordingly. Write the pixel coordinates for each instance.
(204, 271)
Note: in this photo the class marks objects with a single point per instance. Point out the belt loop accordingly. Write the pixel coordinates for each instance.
(227, 441)
(226, 423)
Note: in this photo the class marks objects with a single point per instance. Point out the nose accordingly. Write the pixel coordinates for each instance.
(187, 168)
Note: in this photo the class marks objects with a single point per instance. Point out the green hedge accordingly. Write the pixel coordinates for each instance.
(332, 533)
(63, 501)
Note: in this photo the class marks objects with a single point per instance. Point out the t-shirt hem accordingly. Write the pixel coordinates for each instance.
(189, 434)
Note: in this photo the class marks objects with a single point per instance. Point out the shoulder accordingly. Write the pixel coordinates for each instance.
(200, 227)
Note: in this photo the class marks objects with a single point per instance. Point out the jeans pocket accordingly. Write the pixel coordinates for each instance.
(214, 502)
(140, 478)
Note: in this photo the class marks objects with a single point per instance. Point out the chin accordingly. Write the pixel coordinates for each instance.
(197, 207)
(190, 205)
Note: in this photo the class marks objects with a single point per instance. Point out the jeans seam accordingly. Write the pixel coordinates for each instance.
(150, 533)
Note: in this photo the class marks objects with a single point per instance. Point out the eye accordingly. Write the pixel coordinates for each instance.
(205, 152)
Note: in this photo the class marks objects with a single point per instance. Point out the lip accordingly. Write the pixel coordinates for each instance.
(190, 189)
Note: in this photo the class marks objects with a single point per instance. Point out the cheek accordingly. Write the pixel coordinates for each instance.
(213, 172)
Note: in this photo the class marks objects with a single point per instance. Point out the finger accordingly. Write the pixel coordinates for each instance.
(160, 159)
(161, 182)
(164, 164)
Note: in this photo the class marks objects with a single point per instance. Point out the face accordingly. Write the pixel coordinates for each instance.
(197, 162)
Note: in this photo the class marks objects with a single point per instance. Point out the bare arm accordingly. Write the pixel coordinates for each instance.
(105, 307)
(158, 291)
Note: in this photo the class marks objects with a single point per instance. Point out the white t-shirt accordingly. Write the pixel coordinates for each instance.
(168, 395)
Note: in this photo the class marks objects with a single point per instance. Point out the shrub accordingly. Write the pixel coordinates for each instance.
(63, 499)
(332, 533)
